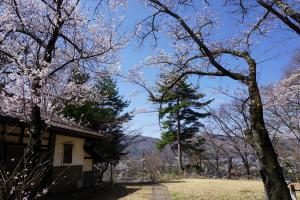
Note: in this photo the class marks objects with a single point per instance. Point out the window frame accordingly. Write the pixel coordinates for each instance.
(63, 154)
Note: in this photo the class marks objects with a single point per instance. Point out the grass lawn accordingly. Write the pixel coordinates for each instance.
(212, 189)
(188, 189)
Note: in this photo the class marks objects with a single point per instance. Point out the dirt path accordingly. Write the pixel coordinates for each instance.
(160, 192)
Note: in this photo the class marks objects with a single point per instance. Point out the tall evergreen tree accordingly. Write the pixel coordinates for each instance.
(180, 114)
(105, 114)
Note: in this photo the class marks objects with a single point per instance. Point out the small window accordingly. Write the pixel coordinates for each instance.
(68, 148)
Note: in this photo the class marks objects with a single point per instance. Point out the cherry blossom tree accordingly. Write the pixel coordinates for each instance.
(282, 102)
(286, 12)
(41, 43)
(232, 120)
(281, 107)
(199, 50)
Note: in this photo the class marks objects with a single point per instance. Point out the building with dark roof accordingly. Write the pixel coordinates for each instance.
(64, 140)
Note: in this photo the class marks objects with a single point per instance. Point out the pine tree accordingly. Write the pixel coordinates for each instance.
(180, 115)
(105, 115)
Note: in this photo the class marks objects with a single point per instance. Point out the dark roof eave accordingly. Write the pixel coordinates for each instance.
(69, 132)
(11, 119)
(73, 133)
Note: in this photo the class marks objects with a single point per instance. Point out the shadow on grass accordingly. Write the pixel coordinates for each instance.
(173, 181)
(103, 192)
(106, 192)
(110, 192)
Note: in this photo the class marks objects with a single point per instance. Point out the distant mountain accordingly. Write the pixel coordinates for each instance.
(141, 144)
(148, 144)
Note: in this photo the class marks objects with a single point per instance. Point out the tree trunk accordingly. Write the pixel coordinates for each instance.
(199, 166)
(271, 171)
(111, 179)
(218, 166)
(247, 167)
(179, 151)
(179, 155)
(33, 149)
(229, 167)
(103, 171)
(36, 123)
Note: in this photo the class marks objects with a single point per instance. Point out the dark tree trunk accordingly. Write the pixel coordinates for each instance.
(111, 179)
(230, 165)
(218, 166)
(36, 123)
(101, 176)
(36, 129)
(271, 171)
(179, 150)
(103, 171)
(199, 166)
(36, 134)
(247, 167)
(246, 164)
(181, 169)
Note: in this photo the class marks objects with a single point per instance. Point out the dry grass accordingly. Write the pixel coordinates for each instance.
(209, 189)
(212, 189)
(189, 189)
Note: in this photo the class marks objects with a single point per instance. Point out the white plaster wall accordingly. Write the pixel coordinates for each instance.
(77, 154)
(86, 154)
(88, 165)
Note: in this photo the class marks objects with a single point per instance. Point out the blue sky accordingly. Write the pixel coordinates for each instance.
(269, 71)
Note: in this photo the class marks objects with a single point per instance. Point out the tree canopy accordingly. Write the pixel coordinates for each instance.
(181, 114)
(105, 114)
